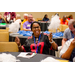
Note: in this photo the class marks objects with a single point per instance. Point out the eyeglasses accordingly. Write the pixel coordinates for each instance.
(36, 27)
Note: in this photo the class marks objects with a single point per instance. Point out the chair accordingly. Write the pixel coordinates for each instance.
(63, 27)
(8, 47)
(4, 36)
(21, 28)
(39, 19)
(54, 31)
(4, 30)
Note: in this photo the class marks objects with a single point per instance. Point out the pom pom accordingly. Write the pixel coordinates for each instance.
(55, 22)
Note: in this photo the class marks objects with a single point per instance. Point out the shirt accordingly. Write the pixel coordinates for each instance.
(27, 25)
(63, 22)
(65, 47)
(24, 20)
(45, 19)
(68, 34)
(43, 46)
(2, 20)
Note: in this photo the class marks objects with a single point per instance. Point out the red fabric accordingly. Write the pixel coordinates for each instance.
(24, 49)
(63, 22)
(12, 14)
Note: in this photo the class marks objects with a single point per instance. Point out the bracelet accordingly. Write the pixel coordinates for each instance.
(52, 41)
(20, 45)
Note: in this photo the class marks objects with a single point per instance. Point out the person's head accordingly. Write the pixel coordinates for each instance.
(71, 24)
(18, 16)
(71, 16)
(57, 14)
(25, 16)
(46, 16)
(30, 18)
(64, 17)
(0, 15)
(35, 28)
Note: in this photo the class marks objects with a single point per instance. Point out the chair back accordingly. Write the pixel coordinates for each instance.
(8, 47)
(21, 28)
(63, 27)
(4, 36)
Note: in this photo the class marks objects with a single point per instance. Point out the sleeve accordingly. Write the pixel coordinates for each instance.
(47, 41)
(48, 19)
(24, 25)
(65, 34)
(65, 47)
(26, 46)
(43, 19)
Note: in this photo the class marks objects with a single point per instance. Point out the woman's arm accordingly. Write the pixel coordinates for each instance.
(17, 40)
(54, 45)
(63, 41)
(68, 52)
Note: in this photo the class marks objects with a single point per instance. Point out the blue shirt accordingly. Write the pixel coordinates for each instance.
(0, 20)
(45, 19)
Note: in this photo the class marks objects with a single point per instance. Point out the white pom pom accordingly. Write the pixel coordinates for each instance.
(55, 22)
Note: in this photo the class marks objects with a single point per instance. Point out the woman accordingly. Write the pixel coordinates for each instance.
(46, 18)
(38, 42)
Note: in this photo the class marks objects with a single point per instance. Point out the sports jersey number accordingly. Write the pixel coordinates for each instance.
(41, 48)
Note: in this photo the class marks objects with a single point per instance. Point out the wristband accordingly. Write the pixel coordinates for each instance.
(52, 41)
(20, 45)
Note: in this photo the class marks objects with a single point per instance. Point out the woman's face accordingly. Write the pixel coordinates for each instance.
(36, 29)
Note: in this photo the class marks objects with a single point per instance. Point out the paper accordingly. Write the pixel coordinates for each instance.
(49, 59)
(26, 55)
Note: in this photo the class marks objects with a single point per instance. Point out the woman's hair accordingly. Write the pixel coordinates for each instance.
(35, 22)
(45, 15)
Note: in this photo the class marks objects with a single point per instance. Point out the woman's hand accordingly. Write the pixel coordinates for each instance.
(17, 40)
(50, 37)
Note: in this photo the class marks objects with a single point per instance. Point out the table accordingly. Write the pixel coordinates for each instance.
(58, 40)
(36, 58)
(3, 25)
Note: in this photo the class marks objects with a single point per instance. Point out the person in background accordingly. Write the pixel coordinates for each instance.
(1, 19)
(38, 42)
(9, 16)
(27, 24)
(25, 18)
(18, 18)
(46, 18)
(15, 26)
(64, 20)
(70, 17)
(69, 32)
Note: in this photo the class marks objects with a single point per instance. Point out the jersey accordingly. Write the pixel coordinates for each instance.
(43, 47)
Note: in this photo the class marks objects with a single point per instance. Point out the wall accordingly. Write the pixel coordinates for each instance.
(41, 14)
